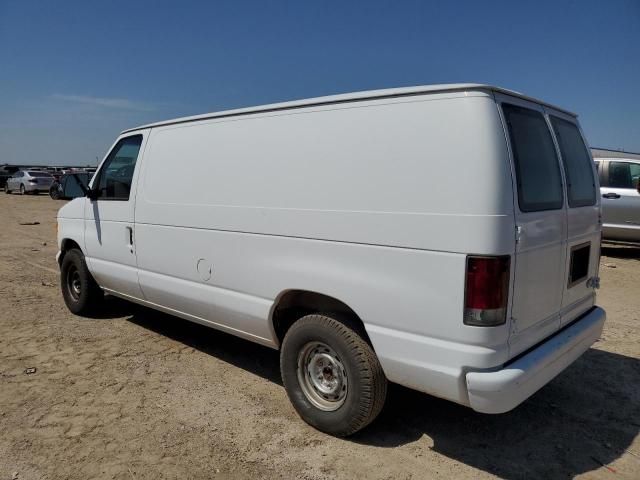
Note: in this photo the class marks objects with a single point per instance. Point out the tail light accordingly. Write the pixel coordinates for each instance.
(486, 291)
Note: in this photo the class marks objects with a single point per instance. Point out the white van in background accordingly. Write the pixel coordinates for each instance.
(445, 237)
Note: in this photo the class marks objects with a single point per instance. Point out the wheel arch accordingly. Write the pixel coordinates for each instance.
(292, 304)
(65, 245)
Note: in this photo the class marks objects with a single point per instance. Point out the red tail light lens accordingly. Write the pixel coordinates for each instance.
(486, 291)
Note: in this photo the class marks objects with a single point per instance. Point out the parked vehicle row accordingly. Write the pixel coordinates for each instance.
(340, 231)
(66, 186)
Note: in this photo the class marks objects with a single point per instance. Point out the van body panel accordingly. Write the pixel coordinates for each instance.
(71, 223)
(406, 298)
(312, 201)
(193, 318)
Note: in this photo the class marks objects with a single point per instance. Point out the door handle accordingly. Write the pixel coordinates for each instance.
(129, 238)
(610, 195)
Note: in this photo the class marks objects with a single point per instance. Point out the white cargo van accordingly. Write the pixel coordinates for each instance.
(446, 238)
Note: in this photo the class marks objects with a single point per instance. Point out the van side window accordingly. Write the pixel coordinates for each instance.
(114, 182)
(536, 163)
(623, 175)
(581, 186)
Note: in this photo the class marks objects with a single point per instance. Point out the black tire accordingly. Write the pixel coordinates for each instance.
(22, 191)
(81, 293)
(366, 388)
(6, 189)
(54, 193)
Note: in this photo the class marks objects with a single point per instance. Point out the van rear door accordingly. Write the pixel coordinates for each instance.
(583, 217)
(541, 223)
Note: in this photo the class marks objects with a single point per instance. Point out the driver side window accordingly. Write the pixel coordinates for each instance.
(116, 174)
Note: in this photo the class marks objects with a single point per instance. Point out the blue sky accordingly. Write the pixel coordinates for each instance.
(74, 74)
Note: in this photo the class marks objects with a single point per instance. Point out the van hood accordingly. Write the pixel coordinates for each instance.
(73, 209)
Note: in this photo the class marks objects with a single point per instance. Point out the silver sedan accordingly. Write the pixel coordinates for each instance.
(28, 181)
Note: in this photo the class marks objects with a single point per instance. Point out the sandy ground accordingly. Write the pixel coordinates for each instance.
(135, 394)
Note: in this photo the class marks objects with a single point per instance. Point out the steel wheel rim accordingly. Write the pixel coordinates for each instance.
(322, 376)
(74, 283)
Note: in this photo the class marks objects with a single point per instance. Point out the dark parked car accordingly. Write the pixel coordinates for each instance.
(70, 185)
(6, 171)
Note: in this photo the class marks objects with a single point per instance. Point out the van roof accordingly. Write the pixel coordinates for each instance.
(350, 97)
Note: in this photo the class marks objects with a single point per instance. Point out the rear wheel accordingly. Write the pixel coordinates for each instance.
(81, 293)
(6, 188)
(54, 193)
(332, 375)
(21, 189)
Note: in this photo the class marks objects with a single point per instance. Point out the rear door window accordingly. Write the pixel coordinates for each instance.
(581, 185)
(536, 163)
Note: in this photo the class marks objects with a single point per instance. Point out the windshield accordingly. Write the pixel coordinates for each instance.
(39, 174)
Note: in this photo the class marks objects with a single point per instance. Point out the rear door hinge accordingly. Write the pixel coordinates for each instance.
(519, 231)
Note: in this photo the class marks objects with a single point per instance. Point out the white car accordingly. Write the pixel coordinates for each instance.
(28, 181)
(445, 238)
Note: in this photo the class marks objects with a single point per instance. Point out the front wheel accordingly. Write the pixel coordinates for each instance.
(6, 188)
(80, 291)
(332, 375)
(21, 189)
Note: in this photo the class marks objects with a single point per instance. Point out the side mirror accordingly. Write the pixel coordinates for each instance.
(92, 194)
(74, 187)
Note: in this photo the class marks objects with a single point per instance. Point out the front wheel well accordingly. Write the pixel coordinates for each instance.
(295, 304)
(67, 244)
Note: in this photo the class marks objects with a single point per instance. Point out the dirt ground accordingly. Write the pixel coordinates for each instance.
(136, 394)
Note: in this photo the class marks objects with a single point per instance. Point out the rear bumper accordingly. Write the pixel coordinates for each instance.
(36, 188)
(502, 390)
